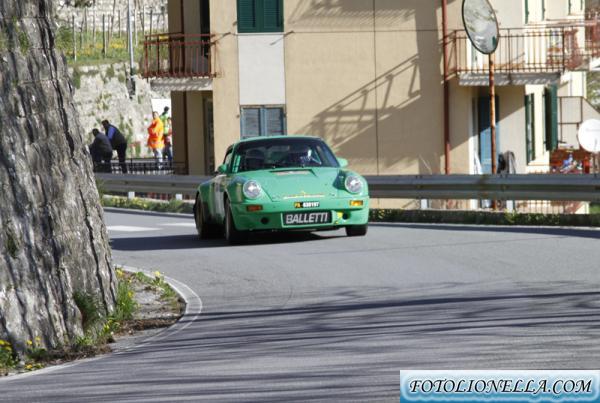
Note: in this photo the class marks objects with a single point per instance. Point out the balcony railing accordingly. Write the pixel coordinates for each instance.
(178, 56)
(531, 50)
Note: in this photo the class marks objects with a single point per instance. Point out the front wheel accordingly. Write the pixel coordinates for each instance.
(232, 234)
(357, 230)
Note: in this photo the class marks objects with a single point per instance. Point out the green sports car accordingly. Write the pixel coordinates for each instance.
(281, 183)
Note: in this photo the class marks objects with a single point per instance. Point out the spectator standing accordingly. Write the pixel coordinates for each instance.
(118, 143)
(156, 137)
(101, 152)
(168, 151)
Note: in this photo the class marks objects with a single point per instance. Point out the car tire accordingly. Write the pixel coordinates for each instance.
(203, 228)
(357, 230)
(232, 235)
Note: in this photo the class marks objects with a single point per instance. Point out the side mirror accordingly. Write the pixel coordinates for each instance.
(222, 169)
(343, 162)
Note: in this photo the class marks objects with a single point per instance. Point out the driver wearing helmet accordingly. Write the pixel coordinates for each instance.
(300, 155)
(255, 160)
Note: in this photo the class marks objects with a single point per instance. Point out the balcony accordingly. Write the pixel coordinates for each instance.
(179, 62)
(531, 55)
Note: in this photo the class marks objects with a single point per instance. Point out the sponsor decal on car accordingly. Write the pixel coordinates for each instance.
(308, 204)
(322, 217)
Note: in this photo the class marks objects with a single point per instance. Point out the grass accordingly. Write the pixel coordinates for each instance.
(89, 52)
(407, 216)
(99, 327)
(484, 218)
(8, 359)
(167, 293)
(172, 206)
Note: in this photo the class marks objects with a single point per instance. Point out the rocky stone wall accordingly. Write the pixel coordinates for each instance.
(52, 236)
(142, 9)
(101, 92)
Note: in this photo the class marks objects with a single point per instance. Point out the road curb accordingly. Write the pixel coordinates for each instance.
(193, 309)
(124, 210)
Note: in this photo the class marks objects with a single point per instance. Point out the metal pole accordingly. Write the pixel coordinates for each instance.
(130, 39)
(74, 38)
(446, 89)
(104, 35)
(493, 113)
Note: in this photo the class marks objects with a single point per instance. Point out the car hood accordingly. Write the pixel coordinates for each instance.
(298, 183)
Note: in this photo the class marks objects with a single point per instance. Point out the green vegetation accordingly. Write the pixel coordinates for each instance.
(406, 216)
(90, 52)
(484, 218)
(158, 283)
(77, 78)
(24, 42)
(89, 307)
(8, 360)
(3, 41)
(11, 243)
(110, 72)
(172, 206)
(593, 82)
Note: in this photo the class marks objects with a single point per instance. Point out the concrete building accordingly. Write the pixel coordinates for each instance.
(369, 78)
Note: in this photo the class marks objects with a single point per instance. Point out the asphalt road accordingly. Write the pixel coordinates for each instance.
(324, 317)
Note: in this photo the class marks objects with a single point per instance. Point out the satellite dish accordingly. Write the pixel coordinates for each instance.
(481, 25)
(589, 135)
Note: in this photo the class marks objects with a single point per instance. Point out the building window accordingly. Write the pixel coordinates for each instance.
(263, 121)
(526, 11)
(530, 127)
(260, 16)
(570, 6)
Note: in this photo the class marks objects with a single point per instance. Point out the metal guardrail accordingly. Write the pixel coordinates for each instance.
(458, 187)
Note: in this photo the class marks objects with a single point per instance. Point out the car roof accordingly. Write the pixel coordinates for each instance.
(259, 138)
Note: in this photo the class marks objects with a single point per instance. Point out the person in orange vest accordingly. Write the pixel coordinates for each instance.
(156, 140)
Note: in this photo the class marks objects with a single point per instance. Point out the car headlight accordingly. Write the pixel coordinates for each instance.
(353, 184)
(252, 189)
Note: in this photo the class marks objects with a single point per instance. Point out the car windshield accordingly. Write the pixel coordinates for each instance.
(282, 153)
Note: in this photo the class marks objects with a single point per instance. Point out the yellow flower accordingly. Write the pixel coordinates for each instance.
(29, 343)
(157, 274)
(38, 339)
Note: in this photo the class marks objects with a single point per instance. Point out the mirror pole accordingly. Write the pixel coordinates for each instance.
(493, 113)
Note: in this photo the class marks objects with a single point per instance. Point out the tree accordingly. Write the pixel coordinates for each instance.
(52, 234)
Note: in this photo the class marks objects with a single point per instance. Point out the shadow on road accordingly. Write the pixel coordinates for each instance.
(175, 242)
(561, 232)
(348, 346)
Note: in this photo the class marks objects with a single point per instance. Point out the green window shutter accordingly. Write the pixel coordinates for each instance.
(247, 15)
(274, 122)
(260, 16)
(272, 15)
(543, 10)
(551, 111)
(250, 122)
(530, 127)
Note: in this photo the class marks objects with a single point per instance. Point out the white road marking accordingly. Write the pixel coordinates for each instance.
(126, 228)
(179, 224)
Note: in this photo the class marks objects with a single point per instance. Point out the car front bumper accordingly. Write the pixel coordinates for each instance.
(271, 215)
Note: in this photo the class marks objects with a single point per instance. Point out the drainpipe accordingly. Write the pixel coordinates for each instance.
(446, 89)
(185, 97)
